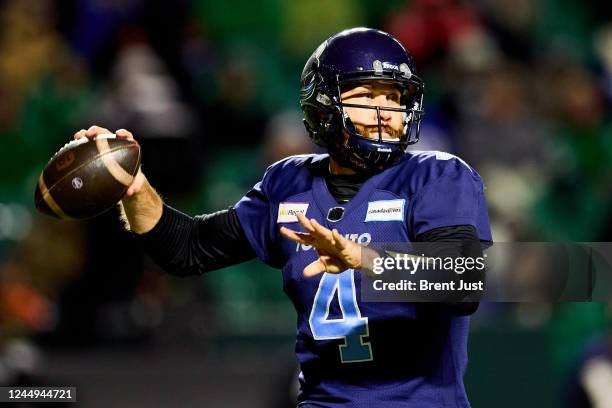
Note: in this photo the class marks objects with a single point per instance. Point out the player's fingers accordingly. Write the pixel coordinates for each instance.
(298, 237)
(314, 268)
(339, 240)
(304, 222)
(331, 264)
(124, 134)
(323, 232)
(80, 134)
(96, 130)
(292, 235)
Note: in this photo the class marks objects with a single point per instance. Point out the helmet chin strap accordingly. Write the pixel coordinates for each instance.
(343, 153)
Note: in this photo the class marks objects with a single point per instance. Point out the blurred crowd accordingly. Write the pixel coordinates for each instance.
(521, 90)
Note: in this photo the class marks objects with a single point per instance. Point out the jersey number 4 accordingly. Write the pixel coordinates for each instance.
(352, 328)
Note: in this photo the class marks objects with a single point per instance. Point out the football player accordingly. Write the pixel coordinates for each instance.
(313, 216)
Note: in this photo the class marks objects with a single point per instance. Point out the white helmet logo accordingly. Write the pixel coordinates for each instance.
(378, 67)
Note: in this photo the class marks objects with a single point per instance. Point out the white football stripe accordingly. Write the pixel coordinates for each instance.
(111, 164)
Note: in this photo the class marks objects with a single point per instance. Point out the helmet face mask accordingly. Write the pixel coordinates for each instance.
(348, 59)
(406, 105)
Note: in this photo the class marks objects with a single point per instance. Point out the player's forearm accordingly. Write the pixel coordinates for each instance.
(464, 242)
(183, 245)
(143, 210)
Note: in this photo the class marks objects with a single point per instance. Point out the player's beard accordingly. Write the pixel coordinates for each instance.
(371, 132)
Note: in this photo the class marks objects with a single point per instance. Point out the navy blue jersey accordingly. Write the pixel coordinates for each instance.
(365, 354)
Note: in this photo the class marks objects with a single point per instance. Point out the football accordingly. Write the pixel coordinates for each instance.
(87, 177)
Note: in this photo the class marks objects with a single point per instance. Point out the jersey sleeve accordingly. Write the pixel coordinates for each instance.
(254, 211)
(455, 198)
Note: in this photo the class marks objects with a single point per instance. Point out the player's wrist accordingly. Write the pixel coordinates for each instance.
(143, 209)
(366, 264)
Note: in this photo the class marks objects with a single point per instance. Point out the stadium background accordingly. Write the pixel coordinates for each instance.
(521, 90)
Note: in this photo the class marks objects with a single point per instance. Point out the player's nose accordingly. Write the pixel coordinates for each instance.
(385, 115)
(382, 102)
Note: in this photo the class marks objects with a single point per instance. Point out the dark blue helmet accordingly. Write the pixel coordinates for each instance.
(352, 56)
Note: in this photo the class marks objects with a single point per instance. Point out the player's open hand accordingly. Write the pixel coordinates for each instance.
(94, 131)
(336, 253)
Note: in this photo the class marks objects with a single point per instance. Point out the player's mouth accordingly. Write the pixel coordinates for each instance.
(387, 133)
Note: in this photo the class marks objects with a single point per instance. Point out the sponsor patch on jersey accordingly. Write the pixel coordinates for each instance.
(287, 211)
(385, 210)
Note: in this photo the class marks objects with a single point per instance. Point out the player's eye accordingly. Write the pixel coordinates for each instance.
(363, 95)
(394, 97)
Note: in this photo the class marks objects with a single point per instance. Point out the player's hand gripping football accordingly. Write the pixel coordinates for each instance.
(94, 131)
(336, 253)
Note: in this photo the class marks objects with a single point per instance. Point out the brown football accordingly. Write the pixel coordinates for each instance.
(87, 177)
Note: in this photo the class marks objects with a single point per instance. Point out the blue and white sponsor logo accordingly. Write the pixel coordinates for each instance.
(385, 210)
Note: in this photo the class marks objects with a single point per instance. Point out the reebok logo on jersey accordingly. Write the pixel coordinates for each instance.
(287, 211)
(385, 210)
